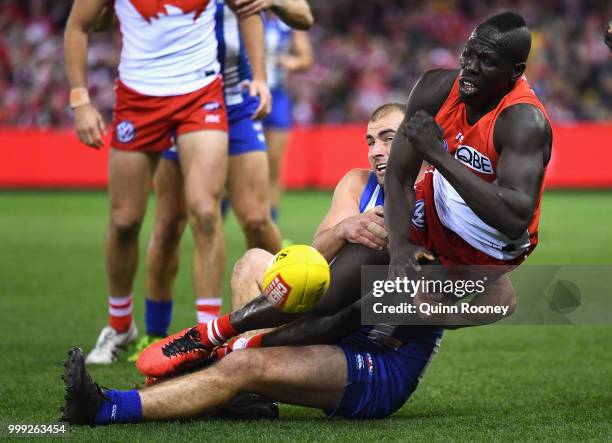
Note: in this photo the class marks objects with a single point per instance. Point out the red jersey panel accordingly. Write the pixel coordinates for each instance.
(448, 214)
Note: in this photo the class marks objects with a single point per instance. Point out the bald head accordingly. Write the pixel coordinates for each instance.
(507, 33)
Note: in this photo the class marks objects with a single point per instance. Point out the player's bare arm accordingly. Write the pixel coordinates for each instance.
(88, 121)
(345, 224)
(301, 56)
(252, 32)
(405, 163)
(523, 138)
(295, 13)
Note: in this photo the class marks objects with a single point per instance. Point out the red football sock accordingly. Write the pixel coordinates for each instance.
(120, 313)
(217, 331)
(244, 343)
(208, 309)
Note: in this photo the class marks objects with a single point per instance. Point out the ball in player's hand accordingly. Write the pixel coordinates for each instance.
(296, 278)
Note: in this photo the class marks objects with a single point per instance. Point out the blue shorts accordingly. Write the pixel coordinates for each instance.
(280, 117)
(381, 379)
(245, 135)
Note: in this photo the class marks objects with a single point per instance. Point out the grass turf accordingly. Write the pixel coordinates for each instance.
(493, 383)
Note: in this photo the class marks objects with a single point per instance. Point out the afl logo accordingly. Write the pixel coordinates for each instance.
(418, 218)
(125, 131)
(212, 106)
(474, 159)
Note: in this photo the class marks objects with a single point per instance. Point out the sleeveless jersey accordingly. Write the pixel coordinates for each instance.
(373, 194)
(278, 41)
(169, 47)
(473, 146)
(232, 55)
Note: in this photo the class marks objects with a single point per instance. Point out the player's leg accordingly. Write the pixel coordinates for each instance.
(203, 160)
(168, 228)
(163, 250)
(130, 175)
(277, 140)
(312, 376)
(247, 276)
(278, 125)
(248, 191)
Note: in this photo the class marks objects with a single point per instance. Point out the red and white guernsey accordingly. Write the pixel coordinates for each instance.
(473, 146)
(169, 46)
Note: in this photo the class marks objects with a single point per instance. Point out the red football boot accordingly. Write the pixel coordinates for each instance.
(174, 354)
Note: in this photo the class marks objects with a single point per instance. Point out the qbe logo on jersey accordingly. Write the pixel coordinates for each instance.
(474, 159)
(125, 131)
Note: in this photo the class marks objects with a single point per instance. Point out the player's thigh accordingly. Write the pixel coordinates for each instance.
(129, 182)
(277, 139)
(313, 376)
(169, 192)
(247, 184)
(203, 159)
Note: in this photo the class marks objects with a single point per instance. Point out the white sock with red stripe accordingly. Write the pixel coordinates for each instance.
(208, 309)
(120, 313)
(217, 331)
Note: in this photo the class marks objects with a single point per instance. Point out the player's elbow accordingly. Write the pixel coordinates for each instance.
(304, 22)
(516, 229)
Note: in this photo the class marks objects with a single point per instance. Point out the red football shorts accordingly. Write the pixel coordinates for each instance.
(427, 230)
(149, 124)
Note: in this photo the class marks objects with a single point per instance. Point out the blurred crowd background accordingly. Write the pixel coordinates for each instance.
(368, 53)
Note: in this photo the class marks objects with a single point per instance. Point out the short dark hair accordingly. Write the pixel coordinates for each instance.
(515, 39)
(387, 108)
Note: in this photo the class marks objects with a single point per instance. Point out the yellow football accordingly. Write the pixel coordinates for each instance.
(296, 278)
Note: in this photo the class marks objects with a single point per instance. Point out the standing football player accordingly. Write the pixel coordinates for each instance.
(169, 88)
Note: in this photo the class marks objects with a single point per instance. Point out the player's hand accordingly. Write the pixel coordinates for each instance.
(608, 36)
(89, 126)
(258, 88)
(425, 135)
(367, 229)
(290, 63)
(407, 259)
(244, 8)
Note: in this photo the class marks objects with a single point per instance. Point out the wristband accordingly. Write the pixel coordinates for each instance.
(79, 97)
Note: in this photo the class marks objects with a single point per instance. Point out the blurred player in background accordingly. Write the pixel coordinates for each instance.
(247, 183)
(287, 51)
(169, 89)
(608, 35)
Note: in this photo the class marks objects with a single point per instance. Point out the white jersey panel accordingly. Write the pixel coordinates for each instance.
(171, 53)
(456, 215)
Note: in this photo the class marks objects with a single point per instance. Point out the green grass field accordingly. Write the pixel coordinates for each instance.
(487, 383)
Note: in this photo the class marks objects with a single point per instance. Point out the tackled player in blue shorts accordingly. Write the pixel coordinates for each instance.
(325, 360)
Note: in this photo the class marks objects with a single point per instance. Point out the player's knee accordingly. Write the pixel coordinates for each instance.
(254, 225)
(168, 231)
(249, 264)
(125, 228)
(204, 217)
(249, 362)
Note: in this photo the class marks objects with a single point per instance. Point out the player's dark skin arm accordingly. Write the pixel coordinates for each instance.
(405, 162)
(316, 330)
(523, 137)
